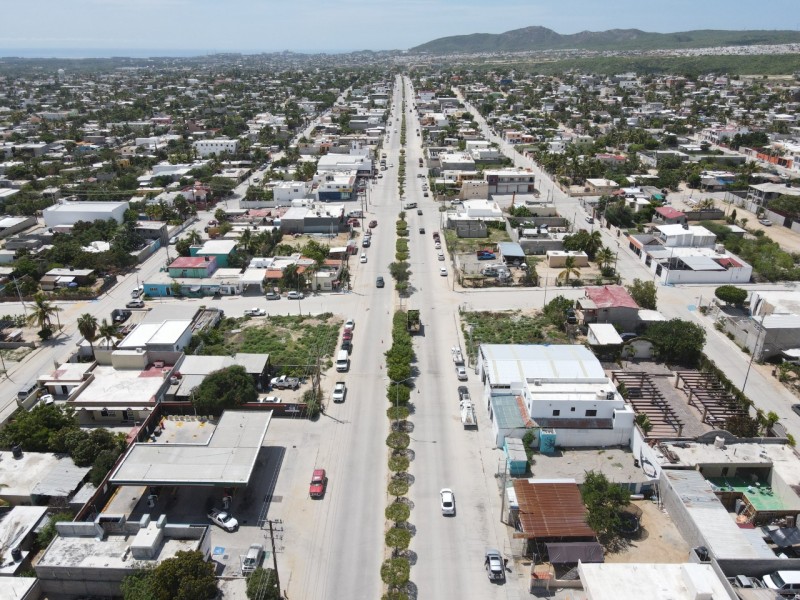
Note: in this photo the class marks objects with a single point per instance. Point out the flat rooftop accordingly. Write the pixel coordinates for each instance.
(661, 581)
(121, 388)
(574, 463)
(20, 475)
(227, 458)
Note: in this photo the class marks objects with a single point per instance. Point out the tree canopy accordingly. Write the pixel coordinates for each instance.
(263, 585)
(186, 576)
(643, 293)
(223, 389)
(677, 341)
(603, 501)
(730, 294)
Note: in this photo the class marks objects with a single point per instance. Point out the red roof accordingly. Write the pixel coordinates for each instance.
(189, 262)
(669, 213)
(728, 262)
(611, 296)
(551, 511)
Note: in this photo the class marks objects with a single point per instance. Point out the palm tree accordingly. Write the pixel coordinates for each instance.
(594, 243)
(569, 269)
(87, 326)
(194, 237)
(108, 331)
(605, 256)
(42, 312)
(246, 241)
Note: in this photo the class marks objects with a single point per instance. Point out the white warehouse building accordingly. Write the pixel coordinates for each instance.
(215, 146)
(69, 213)
(560, 390)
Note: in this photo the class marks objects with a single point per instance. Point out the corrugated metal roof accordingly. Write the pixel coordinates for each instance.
(63, 479)
(506, 363)
(551, 510)
(611, 296)
(507, 412)
(701, 263)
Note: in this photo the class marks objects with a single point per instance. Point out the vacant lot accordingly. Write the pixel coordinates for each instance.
(509, 327)
(659, 540)
(293, 342)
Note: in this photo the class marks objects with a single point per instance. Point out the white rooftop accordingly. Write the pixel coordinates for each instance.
(555, 363)
(164, 333)
(226, 459)
(687, 581)
(121, 388)
(217, 247)
(605, 333)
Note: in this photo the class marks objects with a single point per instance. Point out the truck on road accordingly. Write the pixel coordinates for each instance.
(414, 325)
(458, 357)
(468, 418)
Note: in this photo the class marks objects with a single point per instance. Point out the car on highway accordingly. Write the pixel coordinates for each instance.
(255, 312)
(339, 391)
(495, 566)
(419, 211)
(293, 295)
(461, 372)
(363, 258)
(318, 483)
(425, 194)
(223, 519)
(422, 230)
(379, 282)
(373, 223)
(447, 500)
(272, 295)
(349, 325)
(135, 304)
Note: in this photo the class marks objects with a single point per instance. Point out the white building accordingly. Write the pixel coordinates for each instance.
(361, 164)
(285, 191)
(456, 161)
(215, 146)
(563, 389)
(687, 581)
(69, 213)
(509, 181)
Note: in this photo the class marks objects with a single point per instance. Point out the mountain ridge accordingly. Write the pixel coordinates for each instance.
(538, 38)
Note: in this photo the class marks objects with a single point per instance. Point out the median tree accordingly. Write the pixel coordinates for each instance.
(224, 389)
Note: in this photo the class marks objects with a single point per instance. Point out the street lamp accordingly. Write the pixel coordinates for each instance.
(396, 390)
(755, 351)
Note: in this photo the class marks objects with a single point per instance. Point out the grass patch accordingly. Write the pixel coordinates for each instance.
(508, 327)
(460, 245)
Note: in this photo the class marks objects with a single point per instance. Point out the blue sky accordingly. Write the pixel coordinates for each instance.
(344, 25)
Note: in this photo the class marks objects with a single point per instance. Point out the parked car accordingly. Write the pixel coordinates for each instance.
(137, 291)
(461, 372)
(796, 409)
(363, 258)
(443, 271)
(119, 315)
(293, 295)
(252, 560)
(425, 194)
(447, 500)
(441, 256)
(373, 223)
(572, 318)
(485, 255)
(379, 282)
(255, 312)
(347, 334)
(283, 382)
(627, 337)
(349, 324)
(495, 566)
(422, 230)
(463, 394)
(589, 220)
(270, 400)
(419, 211)
(318, 483)
(347, 345)
(223, 519)
(135, 304)
(273, 295)
(765, 222)
(339, 391)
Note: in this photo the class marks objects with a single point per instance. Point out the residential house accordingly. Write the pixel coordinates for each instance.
(608, 304)
(193, 266)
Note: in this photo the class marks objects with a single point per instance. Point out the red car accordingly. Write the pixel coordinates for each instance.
(318, 482)
(373, 223)
(348, 334)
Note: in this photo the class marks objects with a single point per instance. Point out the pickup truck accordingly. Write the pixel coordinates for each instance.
(283, 382)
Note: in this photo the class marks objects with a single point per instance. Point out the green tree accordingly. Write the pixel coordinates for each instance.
(643, 293)
(137, 587)
(223, 389)
(603, 501)
(48, 532)
(263, 585)
(34, 430)
(556, 310)
(194, 238)
(109, 332)
(605, 256)
(41, 314)
(677, 341)
(569, 270)
(186, 576)
(87, 326)
(395, 572)
(730, 294)
(398, 538)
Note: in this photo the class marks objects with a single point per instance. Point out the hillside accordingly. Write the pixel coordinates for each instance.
(541, 38)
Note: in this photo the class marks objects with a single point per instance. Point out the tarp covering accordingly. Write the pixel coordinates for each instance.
(785, 536)
(571, 553)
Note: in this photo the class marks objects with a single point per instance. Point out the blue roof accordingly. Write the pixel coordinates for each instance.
(510, 249)
(506, 412)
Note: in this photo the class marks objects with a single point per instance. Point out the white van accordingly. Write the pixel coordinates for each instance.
(342, 361)
(411, 205)
(786, 583)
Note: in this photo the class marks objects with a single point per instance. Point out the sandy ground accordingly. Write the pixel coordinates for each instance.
(658, 542)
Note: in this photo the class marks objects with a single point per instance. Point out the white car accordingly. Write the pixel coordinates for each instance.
(255, 312)
(447, 500)
(295, 295)
(223, 519)
(363, 258)
(461, 372)
(437, 246)
(270, 400)
(443, 272)
(339, 391)
(47, 399)
(349, 325)
(252, 560)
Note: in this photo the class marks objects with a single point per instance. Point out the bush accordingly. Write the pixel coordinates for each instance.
(395, 572)
(397, 512)
(397, 487)
(398, 463)
(398, 413)
(398, 440)
(398, 538)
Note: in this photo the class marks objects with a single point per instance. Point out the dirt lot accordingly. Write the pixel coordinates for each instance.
(658, 541)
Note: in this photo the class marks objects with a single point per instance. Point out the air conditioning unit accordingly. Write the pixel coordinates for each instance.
(537, 382)
(610, 396)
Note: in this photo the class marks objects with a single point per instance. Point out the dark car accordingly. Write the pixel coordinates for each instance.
(627, 337)
(347, 345)
(572, 318)
(379, 282)
(796, 409)
(422, 230)
(419, 211)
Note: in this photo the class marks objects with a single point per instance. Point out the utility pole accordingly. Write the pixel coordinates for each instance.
(272, 522)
